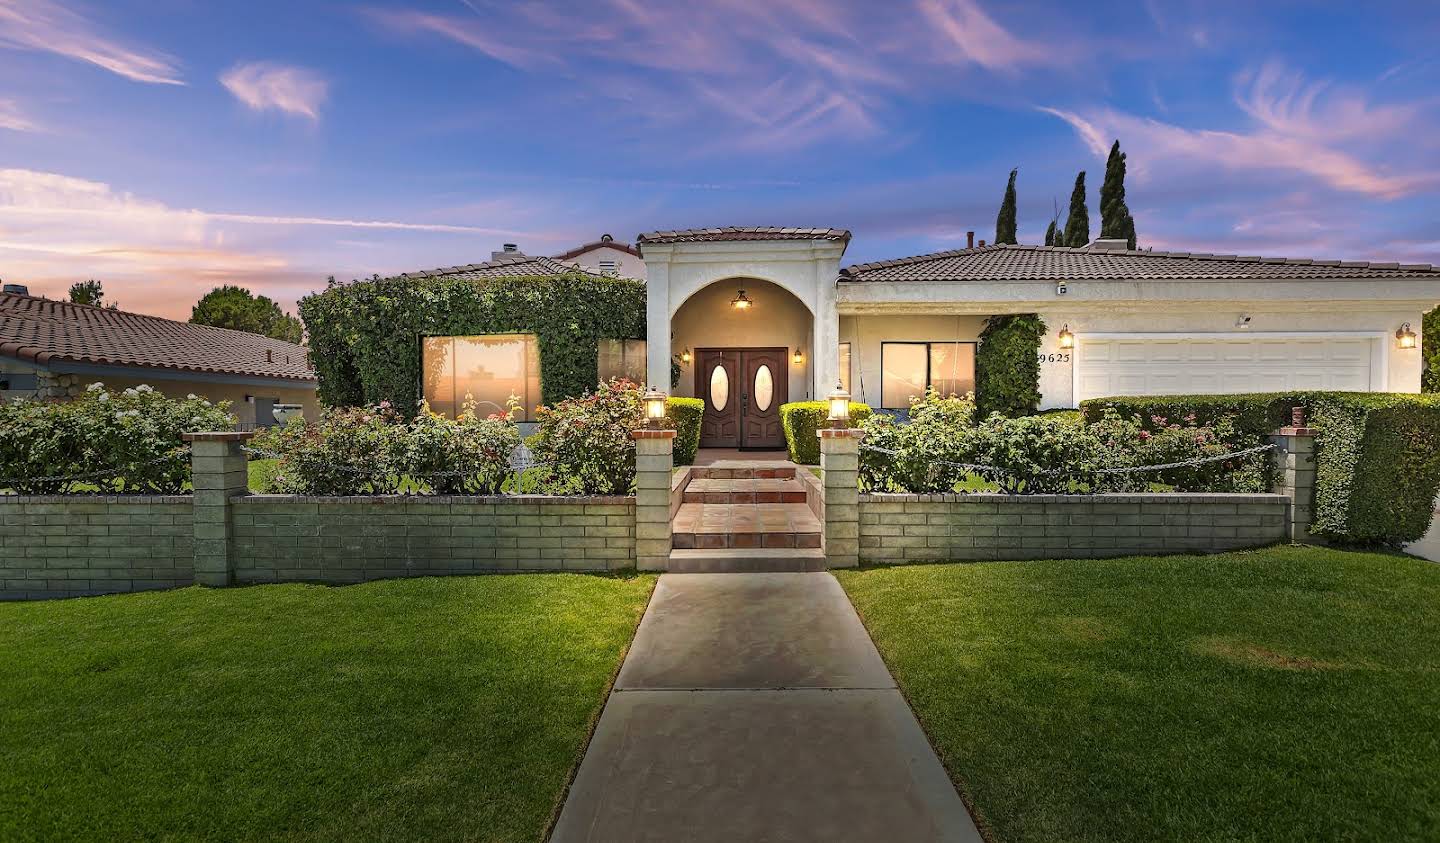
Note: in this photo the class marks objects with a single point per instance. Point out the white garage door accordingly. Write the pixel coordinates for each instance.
(1185, 365)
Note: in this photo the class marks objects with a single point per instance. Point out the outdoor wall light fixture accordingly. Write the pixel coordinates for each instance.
(741, 302)
(1404, 337)
(798, 357)
(685, 355)
(839, 407)
(1067, 339)
(654, 407)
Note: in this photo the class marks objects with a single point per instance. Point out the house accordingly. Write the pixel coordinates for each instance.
(606, 257)
(759, 316)
(52, 349)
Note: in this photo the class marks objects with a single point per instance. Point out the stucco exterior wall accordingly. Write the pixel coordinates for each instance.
(234, 393)
(9, 367)
(627, 265)
(778, 319)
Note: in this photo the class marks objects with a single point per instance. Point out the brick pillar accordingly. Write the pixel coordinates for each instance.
(840, 462)
(1294, 457)
(218, 472)
(654, 463)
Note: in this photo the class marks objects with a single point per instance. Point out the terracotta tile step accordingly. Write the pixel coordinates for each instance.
(773, 472)
(750, 540)
(741, 525)
(745, 490)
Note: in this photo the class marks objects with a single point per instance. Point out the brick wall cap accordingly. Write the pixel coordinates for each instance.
(652, 434)
(1297, 431)
(219, 436)
(840, 433)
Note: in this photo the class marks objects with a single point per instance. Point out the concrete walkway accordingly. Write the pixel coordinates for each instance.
(755, 707)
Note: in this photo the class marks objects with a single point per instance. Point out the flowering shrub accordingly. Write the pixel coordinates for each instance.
(347, 451)
(1042, 454)
(132, 437)
(374, 450)
(479, 447)
(585, 442)
(940, 432)
(1162, 441)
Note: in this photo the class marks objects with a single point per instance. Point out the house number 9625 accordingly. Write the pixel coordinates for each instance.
(1062, 357)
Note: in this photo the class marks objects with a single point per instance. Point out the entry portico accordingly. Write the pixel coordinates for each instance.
(794, 266)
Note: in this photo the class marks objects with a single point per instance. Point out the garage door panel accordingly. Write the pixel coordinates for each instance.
(1258, 363)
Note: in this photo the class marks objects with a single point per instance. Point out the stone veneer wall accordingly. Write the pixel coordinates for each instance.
(914, 528)
(283, 538)
(68, 546)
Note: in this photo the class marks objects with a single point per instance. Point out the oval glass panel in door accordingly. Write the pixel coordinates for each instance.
(764, 388)
(719, 388)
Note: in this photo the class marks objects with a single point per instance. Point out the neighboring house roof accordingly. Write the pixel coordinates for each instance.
(605, 241)
(517, 266)
(47, 332)
(1041, 263)
(702, 235)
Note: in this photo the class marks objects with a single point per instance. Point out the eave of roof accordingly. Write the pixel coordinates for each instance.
(1043, 263)
(741, 233)
(48, 332)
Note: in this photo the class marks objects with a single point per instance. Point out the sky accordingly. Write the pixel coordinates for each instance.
(166, 147)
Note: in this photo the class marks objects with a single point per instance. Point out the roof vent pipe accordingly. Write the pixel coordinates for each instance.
(982, 244)
(969, 239)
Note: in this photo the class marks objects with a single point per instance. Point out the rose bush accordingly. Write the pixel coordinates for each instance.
(585, 442)
(131, 437)
(939, 432)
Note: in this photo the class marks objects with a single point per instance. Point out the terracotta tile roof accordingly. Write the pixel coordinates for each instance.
(516, 266)
(605, 240)
(1045, 263)
(46, 331)
(701, 235)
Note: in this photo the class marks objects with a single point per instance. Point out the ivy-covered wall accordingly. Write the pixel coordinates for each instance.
(365, 336)
(1007, 366)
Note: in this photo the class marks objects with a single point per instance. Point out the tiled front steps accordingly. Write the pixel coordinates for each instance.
(745, 490)
(711, 526)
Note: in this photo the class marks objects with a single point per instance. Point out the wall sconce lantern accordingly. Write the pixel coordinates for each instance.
(741, 302)
(1404, 337)
(839, 407)
(1067, 339)
(685, 355)
(654, 407)
(798, 357)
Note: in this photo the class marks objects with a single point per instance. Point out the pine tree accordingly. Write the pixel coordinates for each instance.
(1077, 225)
(1050, 235)
(1115, 220)
(1005, 220)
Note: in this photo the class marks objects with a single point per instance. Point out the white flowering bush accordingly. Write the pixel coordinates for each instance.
(131, 439)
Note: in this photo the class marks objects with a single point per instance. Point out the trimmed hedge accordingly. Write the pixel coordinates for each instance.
(365, 336)
(802, 421)
(1007, 365)
(1377, 454)
(687, 413)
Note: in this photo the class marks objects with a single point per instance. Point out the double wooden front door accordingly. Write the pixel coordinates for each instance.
(743, 389)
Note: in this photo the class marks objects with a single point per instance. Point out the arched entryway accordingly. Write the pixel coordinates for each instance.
(744, 345)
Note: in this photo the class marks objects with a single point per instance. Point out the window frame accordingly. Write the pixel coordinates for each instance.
(848, 370)
(644, 357)
(527, 414)
(929, 379)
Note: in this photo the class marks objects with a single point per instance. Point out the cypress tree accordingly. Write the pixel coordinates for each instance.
(1077, 225)
(1115, 220)
(1005, 220)
(1050, 234)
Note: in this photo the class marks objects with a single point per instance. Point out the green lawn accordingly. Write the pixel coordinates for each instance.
(447, 708)
(1286, 693)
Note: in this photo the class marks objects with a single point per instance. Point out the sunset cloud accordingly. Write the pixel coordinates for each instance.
(265, 85)
(1336, 139)
(47, 26)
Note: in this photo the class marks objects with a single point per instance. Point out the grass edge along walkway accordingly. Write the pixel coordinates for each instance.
(1282, 693)
(435, 708)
